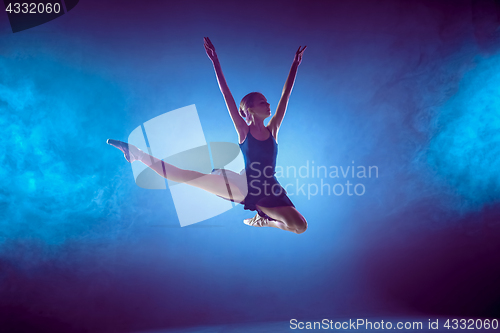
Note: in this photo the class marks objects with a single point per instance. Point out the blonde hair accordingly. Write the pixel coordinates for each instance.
(246, 103)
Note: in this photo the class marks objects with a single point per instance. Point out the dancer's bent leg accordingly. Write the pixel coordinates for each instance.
(287, 218)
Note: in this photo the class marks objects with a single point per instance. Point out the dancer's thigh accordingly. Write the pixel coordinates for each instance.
(217, 185)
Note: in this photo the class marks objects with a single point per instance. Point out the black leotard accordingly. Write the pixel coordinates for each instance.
(260, 164)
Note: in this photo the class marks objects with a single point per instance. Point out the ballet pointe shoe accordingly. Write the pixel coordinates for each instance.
(131, 152)
(257, 221)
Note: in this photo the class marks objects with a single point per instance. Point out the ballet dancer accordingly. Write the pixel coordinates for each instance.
(261, 190)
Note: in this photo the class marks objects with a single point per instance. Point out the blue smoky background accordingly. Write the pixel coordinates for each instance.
(409, 87)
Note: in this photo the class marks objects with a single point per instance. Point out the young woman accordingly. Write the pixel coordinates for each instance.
(259, 146)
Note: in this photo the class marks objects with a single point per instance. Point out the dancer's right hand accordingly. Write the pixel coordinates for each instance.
(209, 47)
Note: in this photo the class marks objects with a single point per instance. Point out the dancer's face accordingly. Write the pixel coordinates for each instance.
(261, 108)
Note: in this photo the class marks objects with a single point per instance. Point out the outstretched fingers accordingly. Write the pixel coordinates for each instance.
(299, 51)
(208, 43)
(209, 48)
(298, 55)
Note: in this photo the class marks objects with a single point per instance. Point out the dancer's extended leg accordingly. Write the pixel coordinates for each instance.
(287, 218)
(215, 184)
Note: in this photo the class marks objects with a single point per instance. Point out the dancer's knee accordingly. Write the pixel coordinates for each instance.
(302, 227)
(299, 224)
(289, 216)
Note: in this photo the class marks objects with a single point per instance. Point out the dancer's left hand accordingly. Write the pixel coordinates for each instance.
(210, 49)
(298, 55)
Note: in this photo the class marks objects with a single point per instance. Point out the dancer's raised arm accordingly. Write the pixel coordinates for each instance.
(240, 124)
(276, 120)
